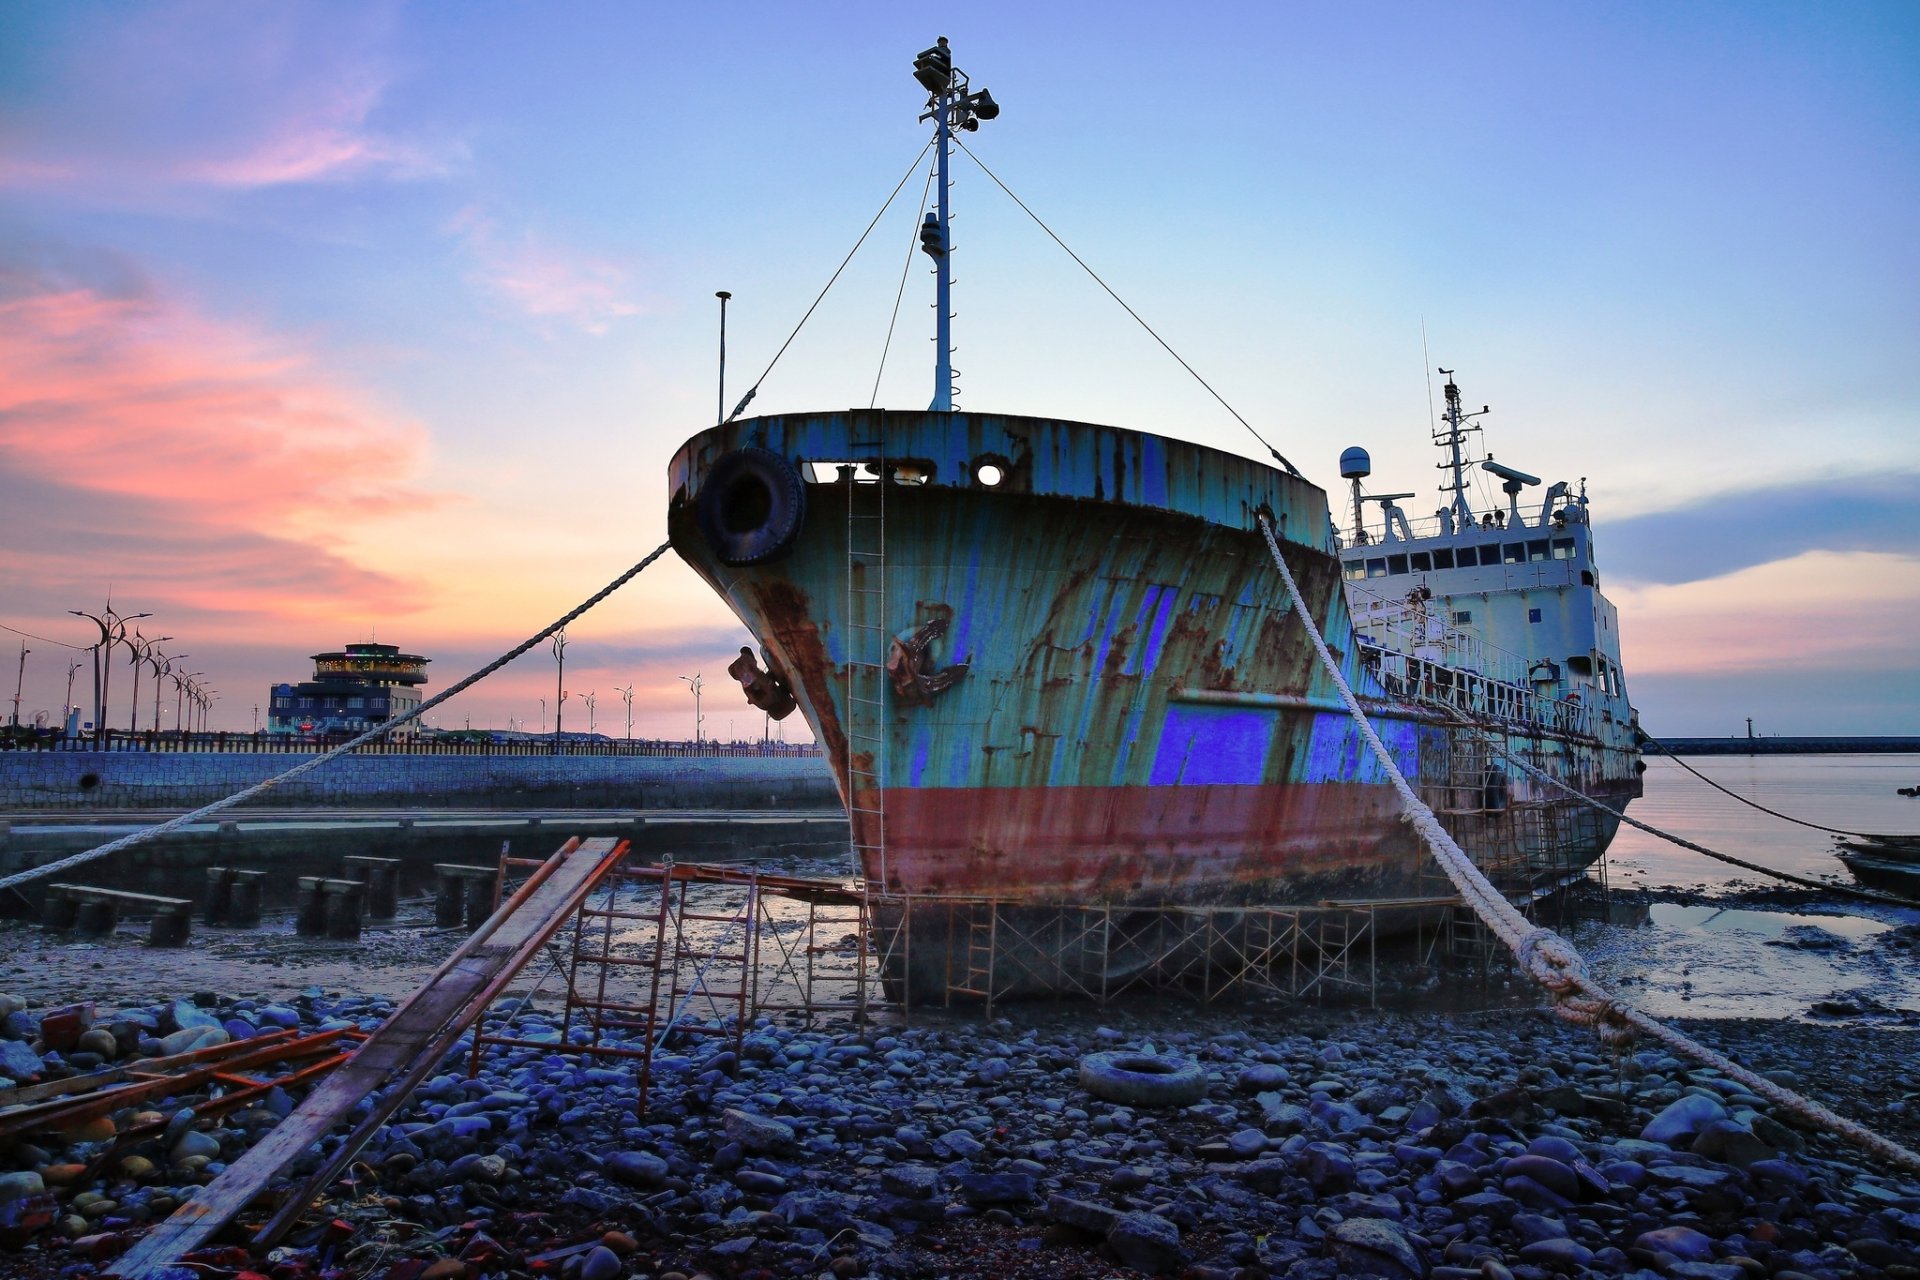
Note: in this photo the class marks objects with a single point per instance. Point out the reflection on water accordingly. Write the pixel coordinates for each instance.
(1696, 958)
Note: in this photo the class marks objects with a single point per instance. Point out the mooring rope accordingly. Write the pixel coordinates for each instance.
(1667, 751)
(1544, 955)
(240, 797)
(1840, 890)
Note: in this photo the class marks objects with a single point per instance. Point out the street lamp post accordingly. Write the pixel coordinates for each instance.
(19, 681)
(559, 684)
(66, 711)
(543, 716)
(590, 699)
(626, 695)
(113, 629)
(139, 649)
(162, 667)
(693, 682)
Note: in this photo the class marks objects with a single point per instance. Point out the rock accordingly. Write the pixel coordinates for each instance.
(1683, 1243)
(959, 1144)
(1682, 1119)
(1328, 1167)
(1082, 1214)
(182, 1014)
(911, 1181)
(601, 1263)
(636, 1168)
(758, 1183)
(195, 1143)
(1731, 1142)
(446, 1269)
(996, 1188)
(18, 1186)
(1147, 1242)
(1247, 1143)
(278, 1015)
(1280, 1116)
(1567, 1257)
(1375, 1247)
(757, 1133)
(99, 1041)
(18, 1062)
(1264, 1075)
(1549, 1173)
(188, 1039)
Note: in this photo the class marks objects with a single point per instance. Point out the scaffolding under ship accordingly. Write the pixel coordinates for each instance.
(1058, 676)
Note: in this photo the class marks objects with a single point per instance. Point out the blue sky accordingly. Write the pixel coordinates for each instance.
(322, 319)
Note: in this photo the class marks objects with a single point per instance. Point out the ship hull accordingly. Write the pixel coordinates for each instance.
(1084, 684)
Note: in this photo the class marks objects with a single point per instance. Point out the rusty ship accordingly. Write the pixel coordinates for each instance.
(1052, 663)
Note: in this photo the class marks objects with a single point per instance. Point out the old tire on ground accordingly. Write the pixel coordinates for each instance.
(751, 505)
(1143, 1079)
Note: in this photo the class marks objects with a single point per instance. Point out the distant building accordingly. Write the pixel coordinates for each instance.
(354, 690)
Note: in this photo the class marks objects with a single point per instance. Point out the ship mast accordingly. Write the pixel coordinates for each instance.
(950, 105)
(1451, 438)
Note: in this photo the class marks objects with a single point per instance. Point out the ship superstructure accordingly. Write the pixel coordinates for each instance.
(1498, 613)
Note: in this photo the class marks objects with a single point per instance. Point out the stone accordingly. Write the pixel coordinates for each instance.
(601, 1263)
(911, 1181)
(195, 1143)
(636, 1168)
(1265, 1075)
(1083, 1215)
(99, 1040)
(446, 1269)
(1730, 1142)
(1682, 1119)
(187, 1039)
(1568, 1257)
(182, 1014)
(959, 1144)
(996, 1188)
(756, 1182)
(1547, 1172)
(1683, 1243)
(1375, 1247)
(1147, 1242)
(18, 1062)
(1247, 1143)
(18, 1186)
(757, 1133)
(1327, 1167)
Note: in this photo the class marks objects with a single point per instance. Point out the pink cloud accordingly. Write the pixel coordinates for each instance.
(323, 140)
(142, 441)
(543, 279)
(1819, 609)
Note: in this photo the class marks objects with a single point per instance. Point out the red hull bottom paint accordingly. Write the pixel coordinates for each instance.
(1266, 843)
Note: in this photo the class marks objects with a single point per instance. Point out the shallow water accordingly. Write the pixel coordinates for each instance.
(1702, 949)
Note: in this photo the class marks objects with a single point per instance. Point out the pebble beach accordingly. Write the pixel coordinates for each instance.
(1321, 1143)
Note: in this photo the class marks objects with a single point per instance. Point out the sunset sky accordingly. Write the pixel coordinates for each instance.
(334, 322)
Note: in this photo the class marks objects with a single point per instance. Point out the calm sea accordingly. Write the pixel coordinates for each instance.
(1698, 952)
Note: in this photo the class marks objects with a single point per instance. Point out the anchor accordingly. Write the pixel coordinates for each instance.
(910, 666)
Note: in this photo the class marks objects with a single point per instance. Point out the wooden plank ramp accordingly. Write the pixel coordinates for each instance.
(406, 1049)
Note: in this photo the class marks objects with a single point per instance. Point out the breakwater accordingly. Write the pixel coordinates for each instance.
(1797, 746)
(90, 781)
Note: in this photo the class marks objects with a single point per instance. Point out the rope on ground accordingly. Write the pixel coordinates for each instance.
(1543, 955)
(1754, 804)
(1839, 890)
(240, 797)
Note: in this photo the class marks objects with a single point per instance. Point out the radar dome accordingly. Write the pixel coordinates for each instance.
(1355, 464)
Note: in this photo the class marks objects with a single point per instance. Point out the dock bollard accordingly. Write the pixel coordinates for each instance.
(243, 900)
(219, 895)
(310, 913)
(171, 928)
(465, 894)
(382, 878)
(449, 901)
(346, 901)
(96, 918)
(59, 911)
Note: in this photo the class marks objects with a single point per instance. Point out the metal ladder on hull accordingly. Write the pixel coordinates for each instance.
(868, 637)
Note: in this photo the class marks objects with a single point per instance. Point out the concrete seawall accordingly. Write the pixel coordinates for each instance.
(88, 781)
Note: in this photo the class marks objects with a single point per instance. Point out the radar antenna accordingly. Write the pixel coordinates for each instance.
(1451, 437)
(952, 105)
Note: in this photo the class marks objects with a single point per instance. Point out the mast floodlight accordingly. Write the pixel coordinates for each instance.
(983, 105)
(933, 68)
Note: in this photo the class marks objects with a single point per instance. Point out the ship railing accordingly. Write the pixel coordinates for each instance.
(1422, 631)
(1436, 684)
(1433, 527)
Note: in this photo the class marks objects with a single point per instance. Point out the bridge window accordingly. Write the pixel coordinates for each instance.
(1463, 616)
(1536, 550)
(1533, 615)
(1563, 548)
(1443, 558)
(1396, 564)
(1356, 568)
(1516, 553)
(1422, 562)
(1376, 568)
(1586, 577)
(1489, 554)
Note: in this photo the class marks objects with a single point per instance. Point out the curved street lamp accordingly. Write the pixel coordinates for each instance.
(139, 650)
(113, 629)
